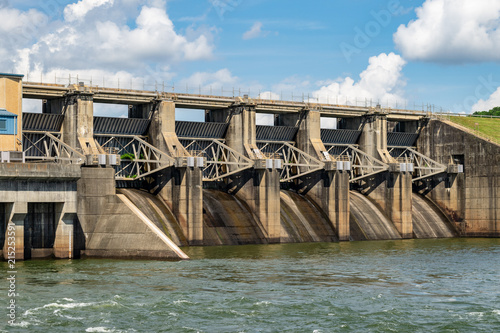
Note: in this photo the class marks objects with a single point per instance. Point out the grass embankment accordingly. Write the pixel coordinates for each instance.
(486, 127)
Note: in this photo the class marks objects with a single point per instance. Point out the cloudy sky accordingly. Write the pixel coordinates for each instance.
(396, 52)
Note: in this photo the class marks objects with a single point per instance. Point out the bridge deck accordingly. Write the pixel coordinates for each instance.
(33, 90)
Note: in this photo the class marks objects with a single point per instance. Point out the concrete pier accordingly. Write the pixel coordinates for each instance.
(329, 188)
(259, 188)
(392, 190)
(181, 186)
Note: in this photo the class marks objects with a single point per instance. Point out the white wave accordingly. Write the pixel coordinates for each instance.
(99, 329)
(262, 303)
(69, 306)
(476, 314)
(59, 314)
(181, 301)
(497, 312)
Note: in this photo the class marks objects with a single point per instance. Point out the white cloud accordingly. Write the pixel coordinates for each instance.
(269, 95)
(452, 31)
(255, 31)
(490, 103)
(77, 11)
(382, 81)
(18, 29)
(13, 20)
(101, 40)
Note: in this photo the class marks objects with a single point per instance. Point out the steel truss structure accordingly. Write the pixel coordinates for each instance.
(139, 159)
(362, 165)
(424, 166)
(296, 163)
(220, 160)
(47, 147)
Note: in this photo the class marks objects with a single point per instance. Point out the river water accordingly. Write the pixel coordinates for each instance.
(450, 285)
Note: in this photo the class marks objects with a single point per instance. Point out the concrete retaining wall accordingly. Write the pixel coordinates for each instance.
(471, 199)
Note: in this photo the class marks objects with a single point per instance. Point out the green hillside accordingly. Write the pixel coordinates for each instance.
(486, 127)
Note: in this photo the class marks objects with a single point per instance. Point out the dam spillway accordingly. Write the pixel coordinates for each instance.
(428, 221)
(368, 222)
(116, 187)
(229, 221)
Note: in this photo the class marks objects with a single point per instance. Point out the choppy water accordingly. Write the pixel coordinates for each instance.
(450, 285)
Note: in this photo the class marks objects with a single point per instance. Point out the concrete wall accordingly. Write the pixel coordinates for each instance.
(22, 184)
(471, 199)
(110, 227)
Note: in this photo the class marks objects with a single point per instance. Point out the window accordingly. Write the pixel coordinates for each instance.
(3, 124)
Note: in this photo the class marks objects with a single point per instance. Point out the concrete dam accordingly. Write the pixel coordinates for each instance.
(73, 184)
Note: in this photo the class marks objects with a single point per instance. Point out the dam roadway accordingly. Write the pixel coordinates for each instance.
(205, 102)
(381, 174)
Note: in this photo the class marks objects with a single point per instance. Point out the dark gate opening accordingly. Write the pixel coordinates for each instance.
(39, 227)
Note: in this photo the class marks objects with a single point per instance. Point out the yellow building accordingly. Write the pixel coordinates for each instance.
(11, 112)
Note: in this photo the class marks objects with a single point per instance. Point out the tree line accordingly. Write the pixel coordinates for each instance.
(493, 112)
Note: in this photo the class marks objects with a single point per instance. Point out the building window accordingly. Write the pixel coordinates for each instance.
(3, 124)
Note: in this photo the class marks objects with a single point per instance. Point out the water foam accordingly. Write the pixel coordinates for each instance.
(99, 329)
(69, 306)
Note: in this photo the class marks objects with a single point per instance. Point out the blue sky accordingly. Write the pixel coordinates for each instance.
(397, 52)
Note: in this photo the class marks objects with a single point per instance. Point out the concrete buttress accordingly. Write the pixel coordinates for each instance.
(392, 191)
(181, 186)
(78, 126)
(259, 188)
(328, 188)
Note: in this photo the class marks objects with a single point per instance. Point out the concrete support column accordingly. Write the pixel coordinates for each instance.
(64, 240)
(186, 198)
(342, 206)
(260, 189)
(16, 213)
(373, 139)
(393, 190)
(182, 187)
(328, 188)
(399, 202)
(78, 126)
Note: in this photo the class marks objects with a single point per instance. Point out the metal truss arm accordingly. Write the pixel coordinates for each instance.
(221, 160)
(50, 148)
(362, 164)
(142, 160)
(424, 166)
